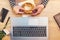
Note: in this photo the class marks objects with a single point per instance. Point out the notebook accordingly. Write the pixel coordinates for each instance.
(57, 19)
(29, 28)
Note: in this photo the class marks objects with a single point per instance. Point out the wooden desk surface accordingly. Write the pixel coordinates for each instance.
(53, 7)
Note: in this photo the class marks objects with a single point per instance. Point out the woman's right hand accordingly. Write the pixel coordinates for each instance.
(18, 10)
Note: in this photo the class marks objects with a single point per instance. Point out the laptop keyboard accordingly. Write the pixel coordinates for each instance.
(31, 31)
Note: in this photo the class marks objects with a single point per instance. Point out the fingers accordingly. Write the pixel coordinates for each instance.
(21, 11)
(37, 13)
(18, 10)
(22, 8)
(38, 10)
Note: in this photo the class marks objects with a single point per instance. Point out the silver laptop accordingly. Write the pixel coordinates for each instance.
(29, 28)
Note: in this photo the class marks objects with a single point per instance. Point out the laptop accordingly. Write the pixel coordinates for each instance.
(29, 28)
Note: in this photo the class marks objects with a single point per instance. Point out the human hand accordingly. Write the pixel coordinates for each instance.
(18, 10)
(37, 10)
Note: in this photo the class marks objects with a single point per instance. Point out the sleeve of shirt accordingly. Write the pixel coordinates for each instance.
(44, 2)
(12, 3)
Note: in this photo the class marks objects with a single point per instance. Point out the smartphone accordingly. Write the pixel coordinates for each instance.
(4, 13)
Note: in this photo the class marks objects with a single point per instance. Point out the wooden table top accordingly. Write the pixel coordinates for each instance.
(52, 8)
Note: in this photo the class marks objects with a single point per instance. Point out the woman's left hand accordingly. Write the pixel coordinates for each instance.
(37, 10)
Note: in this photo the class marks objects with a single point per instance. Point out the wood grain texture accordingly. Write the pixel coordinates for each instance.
(52, 8)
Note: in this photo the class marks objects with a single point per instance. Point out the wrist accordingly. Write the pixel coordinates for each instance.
(42, 6)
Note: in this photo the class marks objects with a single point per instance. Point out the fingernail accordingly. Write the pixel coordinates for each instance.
(20, 10)
(34, 11)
